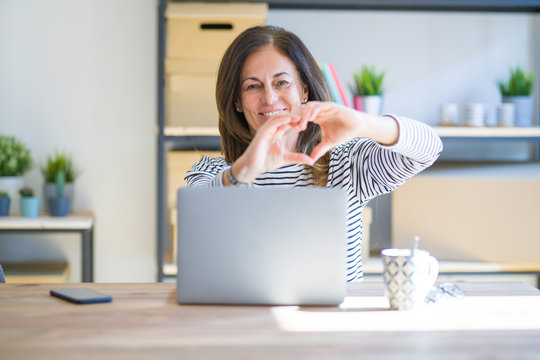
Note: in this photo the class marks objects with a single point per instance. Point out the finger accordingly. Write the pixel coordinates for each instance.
(308, 111)
(299, 125)
(295, 123)
(317, 110)
(280, 131)
(278, 120)
(322, 148)
(321, 118)
(274, 127)
(303, 124)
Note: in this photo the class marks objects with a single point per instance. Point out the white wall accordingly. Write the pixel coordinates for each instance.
(430, 57)
(80, 76)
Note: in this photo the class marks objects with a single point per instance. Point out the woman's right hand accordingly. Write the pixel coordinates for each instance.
(271, 148)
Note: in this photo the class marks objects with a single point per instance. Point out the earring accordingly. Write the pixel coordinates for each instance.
(238, 109)
(305, 100)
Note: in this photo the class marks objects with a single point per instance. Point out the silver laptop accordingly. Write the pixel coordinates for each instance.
(267, 246)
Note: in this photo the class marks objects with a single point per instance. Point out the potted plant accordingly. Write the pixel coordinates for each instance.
(59, 205)
(15, 160)
(517, 90)
(59, 162)
(368, 90)
(29, 202)
(4, 203)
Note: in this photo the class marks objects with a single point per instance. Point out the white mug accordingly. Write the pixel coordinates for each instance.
(505, 114)
(474, 115)
(408, 278)
(449, 114)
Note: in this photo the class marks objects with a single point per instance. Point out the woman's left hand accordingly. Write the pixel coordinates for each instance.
(340, 124)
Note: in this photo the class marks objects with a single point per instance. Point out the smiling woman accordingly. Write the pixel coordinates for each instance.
(278, 128)
(270, 86)
(245, 65)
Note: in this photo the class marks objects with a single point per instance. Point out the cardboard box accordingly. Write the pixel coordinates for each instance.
(197, 36)
(483, 213)
(190, 88)
(203, 31)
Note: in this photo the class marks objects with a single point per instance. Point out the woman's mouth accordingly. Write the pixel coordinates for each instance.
(269, 114)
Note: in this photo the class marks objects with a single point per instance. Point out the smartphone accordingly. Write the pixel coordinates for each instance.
(80, 295)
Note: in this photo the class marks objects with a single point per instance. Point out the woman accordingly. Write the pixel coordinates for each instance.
(279, 128)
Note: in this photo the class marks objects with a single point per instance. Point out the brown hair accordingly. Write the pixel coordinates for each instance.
(233, 127)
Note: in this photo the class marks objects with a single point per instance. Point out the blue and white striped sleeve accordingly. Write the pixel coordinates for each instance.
(207, 172)
(380, 169)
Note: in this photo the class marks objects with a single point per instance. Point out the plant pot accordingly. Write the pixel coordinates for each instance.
(49, 192)
(523, 106)
(370, 104)
(358, 102)
(58, 206)
(4, 206)
(11, 185)
(30, 206)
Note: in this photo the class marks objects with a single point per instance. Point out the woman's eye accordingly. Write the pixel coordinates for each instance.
(282, 83)
(253, 87)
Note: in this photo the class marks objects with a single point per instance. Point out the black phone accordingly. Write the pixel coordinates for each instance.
(80, 295)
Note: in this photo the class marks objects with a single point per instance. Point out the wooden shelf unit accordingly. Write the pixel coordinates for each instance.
(184, 136)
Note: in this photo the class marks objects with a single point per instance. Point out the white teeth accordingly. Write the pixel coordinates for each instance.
(272, 113)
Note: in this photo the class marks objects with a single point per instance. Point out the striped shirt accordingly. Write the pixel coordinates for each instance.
(362, 167)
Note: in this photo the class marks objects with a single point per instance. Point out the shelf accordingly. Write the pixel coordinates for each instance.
(80, 220)
(449, 132)
(463, 132)
(413, 5)
(190, 131)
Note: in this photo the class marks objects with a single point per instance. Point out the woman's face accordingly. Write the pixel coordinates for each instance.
(269, 85)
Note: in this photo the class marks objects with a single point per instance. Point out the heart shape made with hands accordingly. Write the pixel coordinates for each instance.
(273, 143)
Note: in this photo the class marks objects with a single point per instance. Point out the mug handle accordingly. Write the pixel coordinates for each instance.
(433, 270)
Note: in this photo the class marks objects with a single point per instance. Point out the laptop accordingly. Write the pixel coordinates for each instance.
(262, 246)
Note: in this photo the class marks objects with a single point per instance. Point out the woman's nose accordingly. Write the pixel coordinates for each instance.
(270, 95)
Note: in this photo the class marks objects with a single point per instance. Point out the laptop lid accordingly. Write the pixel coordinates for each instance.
(269, 246)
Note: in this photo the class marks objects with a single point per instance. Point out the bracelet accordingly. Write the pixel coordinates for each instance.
(233, 180)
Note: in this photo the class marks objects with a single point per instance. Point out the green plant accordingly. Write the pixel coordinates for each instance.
(59, 162)
(60, 182)
(4, 194)
(26, 191)
(15, 157)
(520, 83)
(368, 81)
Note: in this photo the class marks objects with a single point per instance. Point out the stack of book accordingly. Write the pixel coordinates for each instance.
(335, 85)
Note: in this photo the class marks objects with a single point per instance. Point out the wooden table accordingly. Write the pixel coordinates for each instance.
(494, 321)
(81, 223)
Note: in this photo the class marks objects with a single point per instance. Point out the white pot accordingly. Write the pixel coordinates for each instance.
(523, 109)
(12, 185)
(373, 104)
